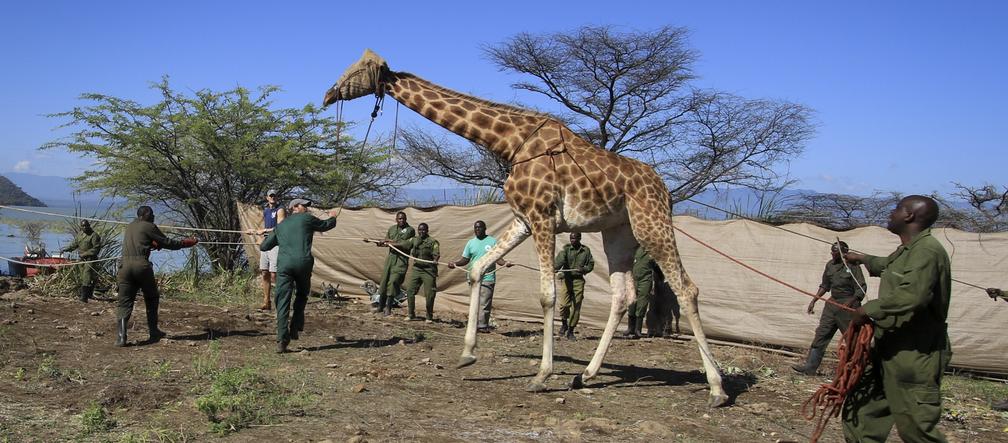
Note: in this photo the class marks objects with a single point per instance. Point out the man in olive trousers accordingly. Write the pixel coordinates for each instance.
(88, 246)
(294, 266)
(900, 385)
(137, 273)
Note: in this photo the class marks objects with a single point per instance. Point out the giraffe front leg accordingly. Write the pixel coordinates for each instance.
(623, 289)
(547, 298)
(515, 234)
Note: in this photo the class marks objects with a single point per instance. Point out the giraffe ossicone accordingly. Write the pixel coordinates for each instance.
(559, 182)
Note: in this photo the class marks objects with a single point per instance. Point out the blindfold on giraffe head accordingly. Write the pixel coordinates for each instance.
(360, 79)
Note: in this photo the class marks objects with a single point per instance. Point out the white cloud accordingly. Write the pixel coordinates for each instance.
(22, 166)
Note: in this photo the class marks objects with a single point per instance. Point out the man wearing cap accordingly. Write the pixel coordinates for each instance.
(423, 247)
(294, 266)
(399, 235)
(137, 273)
(846, 285)
(273, 213)
(88, 246)
(572, 264)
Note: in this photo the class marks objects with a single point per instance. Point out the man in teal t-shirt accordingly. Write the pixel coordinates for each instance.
(474, 249)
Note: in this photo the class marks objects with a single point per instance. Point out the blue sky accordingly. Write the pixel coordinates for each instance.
(909, 96)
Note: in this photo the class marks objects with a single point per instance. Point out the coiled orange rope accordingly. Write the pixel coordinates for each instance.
(827, 401)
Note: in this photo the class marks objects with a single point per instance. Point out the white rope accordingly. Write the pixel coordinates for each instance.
(58, 265)
(77, 217)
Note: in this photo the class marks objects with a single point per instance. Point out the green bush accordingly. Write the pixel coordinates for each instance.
(95, 420)
(240, 397)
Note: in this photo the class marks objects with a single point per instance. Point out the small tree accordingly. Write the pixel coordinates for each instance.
(196, 155)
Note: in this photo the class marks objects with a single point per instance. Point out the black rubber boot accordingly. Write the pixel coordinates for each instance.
(631, 323)
(638, 325)
(811, 366)
(152, 327)
(570, 334)
(82, 294)
(121, 332)
(563, 327)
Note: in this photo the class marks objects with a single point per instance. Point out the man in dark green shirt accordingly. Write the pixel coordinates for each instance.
(294, 266)
(137, 273)
(88, 246)
(399, 235)
(643, 275)
(424, 247)
(845, 287)
(901, 383)
(573, 262)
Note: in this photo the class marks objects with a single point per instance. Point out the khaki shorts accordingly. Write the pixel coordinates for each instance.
(268, 259)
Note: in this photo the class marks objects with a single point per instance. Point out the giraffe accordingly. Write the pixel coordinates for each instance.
(558, 183)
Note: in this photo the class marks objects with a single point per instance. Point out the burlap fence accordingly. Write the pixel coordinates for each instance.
(735, 303)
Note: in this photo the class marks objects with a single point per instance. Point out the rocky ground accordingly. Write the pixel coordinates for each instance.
(354, 376)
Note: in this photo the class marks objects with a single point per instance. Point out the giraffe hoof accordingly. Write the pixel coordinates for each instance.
(535, 387)
(576, 383)
(464, 361)
(717, 400)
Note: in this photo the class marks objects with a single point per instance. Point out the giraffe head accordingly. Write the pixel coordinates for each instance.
(360, 79)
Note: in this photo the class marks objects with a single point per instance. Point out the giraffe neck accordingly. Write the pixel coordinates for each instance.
(500, 128)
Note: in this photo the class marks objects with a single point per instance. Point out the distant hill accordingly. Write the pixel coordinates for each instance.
(11, 194)
(54, 191)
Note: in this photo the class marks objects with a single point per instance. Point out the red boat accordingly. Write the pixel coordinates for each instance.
(29, 263)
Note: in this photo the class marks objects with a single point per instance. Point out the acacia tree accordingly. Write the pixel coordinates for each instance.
(630, 93)
(196, 155)
(841, 211)
(989, 204)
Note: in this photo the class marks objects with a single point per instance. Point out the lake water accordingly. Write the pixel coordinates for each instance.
(55, 236)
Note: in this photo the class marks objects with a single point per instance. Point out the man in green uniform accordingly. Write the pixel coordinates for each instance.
(137, 273)
(88, 246)
(572, 263)
(294, 266)
(901, 383)
(643, 275)
(399, 235)
(423, 247)
(845, 287)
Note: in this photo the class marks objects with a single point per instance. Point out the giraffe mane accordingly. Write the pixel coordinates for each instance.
(481, 101)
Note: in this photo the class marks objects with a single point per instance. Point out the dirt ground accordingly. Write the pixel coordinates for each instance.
(354, 376)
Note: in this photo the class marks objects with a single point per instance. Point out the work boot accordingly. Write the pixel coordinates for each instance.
(152, 327)
(1001, 406)
(570, 334)
(639, 327)
(282, 346)
(812, 363)
(121, 332)
(563, 327)
(630, 325)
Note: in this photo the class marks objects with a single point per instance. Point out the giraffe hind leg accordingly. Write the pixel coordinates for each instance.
(654, 230)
